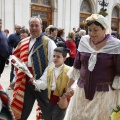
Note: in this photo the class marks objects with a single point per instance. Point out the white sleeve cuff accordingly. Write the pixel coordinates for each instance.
(39, 85)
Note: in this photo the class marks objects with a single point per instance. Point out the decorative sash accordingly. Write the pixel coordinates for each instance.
(39, 57)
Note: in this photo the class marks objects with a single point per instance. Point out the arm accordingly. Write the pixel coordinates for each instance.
(10, 40)
(74, 74)
(40, 84)
(69, 93)
(70, 83)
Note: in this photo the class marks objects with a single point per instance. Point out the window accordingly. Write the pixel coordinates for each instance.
(43, 15)
(115, 21)
(43, 2)
(85, 7)
(43, 9)
(85, 11)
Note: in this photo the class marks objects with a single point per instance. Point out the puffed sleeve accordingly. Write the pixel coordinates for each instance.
(74, 72)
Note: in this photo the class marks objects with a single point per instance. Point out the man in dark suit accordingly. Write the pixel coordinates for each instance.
(4, 51)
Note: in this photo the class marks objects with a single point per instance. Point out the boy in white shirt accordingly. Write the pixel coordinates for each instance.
(55, 79)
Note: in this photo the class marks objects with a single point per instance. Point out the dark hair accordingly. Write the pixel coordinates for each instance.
(52, 29)
(24, 30)
(0, 20)
(62, 50)
(6, 31)
(60, 32)
(96, 23)
(74, 28)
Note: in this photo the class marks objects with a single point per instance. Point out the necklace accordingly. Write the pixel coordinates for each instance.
(105, 38)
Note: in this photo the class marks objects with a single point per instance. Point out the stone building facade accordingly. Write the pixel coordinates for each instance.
(60, 13)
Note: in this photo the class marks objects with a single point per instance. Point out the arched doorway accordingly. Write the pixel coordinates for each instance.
(85, 11)
(115, 21)
(43, 9)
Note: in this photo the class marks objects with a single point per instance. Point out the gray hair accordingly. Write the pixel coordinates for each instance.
(82, 32)
(35, 17)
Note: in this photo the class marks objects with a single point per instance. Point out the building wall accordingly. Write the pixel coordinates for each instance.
(14, 12)
(69, 11)
(65, 13)
(68, 14)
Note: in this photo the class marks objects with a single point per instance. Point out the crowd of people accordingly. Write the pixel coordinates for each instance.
(56, 63)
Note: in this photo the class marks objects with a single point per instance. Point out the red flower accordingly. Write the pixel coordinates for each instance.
(13, 61)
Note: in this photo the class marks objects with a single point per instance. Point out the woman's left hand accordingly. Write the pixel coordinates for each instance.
(69, 93)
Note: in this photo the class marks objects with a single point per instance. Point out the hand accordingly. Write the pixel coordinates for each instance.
(63, 103)
(69, 93)
(63, 96)
(32, 80)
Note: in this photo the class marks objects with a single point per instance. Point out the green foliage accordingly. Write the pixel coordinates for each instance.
(117, 110)
(104, 13)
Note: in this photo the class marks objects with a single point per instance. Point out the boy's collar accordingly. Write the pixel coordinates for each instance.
(60, 66)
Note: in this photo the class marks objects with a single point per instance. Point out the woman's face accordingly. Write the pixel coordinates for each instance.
(23, 35)
(96, 33)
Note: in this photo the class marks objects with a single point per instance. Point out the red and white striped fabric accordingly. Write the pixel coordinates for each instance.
(20, 52)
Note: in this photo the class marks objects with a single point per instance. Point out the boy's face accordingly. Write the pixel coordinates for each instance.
(58, 59)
